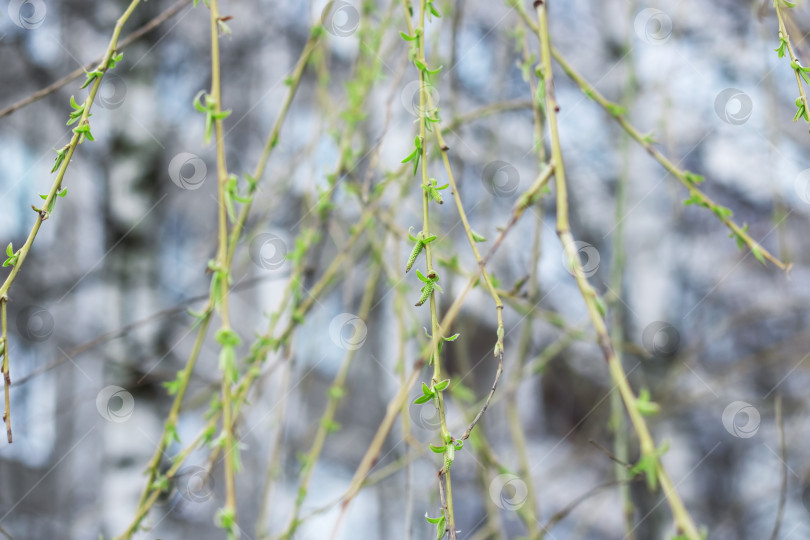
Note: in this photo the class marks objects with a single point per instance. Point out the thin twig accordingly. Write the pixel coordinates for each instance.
(6, 376)
(780, 512)
(75, 74)
(794, 61)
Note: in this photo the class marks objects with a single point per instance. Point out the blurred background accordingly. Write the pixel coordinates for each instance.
(98, 315)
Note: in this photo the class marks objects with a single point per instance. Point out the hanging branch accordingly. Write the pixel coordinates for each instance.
(650, 462)
(79, 116)
(431, 192)
(799, 71)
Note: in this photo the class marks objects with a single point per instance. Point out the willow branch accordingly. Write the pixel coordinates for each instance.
(592, 301)
(80, 133)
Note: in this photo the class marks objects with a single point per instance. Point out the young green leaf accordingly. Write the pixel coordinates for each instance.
(91, 76)
(441, 525)
(782, 48)
(438, 387)
(60, 157)
(757, 252)
(694, 198)
(477, 237)
(693, 178)
(12, 256)
(644, 405)
(114, 59)
(648, 464)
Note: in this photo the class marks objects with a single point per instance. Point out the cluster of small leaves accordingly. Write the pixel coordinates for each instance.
(648, 464)
(227, 356)
(441, 343)
(60, 157)
(801, 71)
(51, 204)
(221, 279)
(498, 349)
(222, 442)
(226, 517)
(98, 73)
(449, 451)
(174, 386)
(170, 433)
(84, 132)
(222, 27)
(781, 50)
(756, 250)
(430, 117)
(259, 349)
(199, 316)
(205, 104)
(615, 109)
(441, 524)
(649, 138)
(431, 392)
(232, 194)
(160, 483)
(411, 39)
(91, 76)
(693, 178)
(739, 237)
(430, 284)
(724, 213)
(645, 406)
(527, 67)
(214, 409)
(11, 256)
(83, 129)
(432, 189)
(420, 241)
(330, 425)
(114, 59)
(415, 155)
(696, 198)
(77, 112)
(801, 110)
